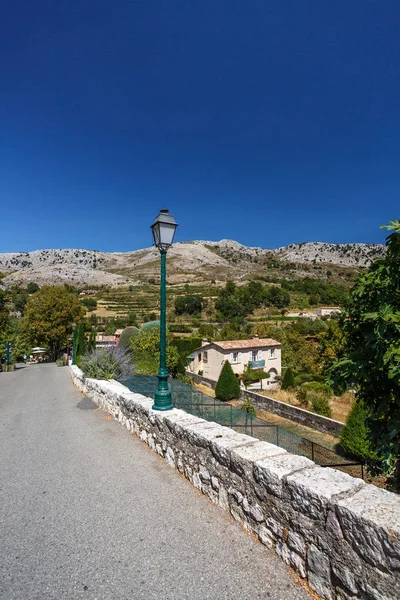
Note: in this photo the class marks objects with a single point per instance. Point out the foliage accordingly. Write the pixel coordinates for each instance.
(32, 287)
(288, 379)
(107, 363)
(248, 408)
(49, 315)
(185, 346)
(61, 362)
(80, 345)
(126, 335)
(228, 386)
(191, 305)
(320, 292)
(320, 405)
(145, 346)
(234, 302)
(322, 388)
(370, 360)
(89, 303)
(91, 344)
(355, 436)
(330, 343)
(253, 375)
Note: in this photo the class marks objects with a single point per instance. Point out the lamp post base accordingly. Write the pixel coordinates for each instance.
(162, 400)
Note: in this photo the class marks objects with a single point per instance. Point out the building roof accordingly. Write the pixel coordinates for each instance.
(105, 338)
(329, 307)
(118, 332)
(240, 344)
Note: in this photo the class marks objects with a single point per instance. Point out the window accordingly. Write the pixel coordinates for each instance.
(199, 357)
(205, 357)
(272, 353)
(254, 355)
(236, 357)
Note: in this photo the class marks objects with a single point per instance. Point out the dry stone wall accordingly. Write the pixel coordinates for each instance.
(338, 533)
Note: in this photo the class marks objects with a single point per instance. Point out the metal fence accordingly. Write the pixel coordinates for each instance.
(211, 409)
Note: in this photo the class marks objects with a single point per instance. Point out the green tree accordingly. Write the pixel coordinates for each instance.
(370, 359)
(126, 336)
(145, 346)
(32, 287)
(228, 386)
(355, 436)
(190, 305)
(49, 315)
(288, 379)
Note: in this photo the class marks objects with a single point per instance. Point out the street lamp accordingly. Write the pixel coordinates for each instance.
(163, 229)
(73, 348)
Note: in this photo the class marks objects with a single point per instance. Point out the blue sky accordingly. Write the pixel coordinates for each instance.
(264, 121)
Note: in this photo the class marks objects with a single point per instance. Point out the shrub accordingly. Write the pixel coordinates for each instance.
(321, 405)
(302, 398)
(228, 386)
(61, 362)
(288, 379)
(355, 434)
(320, 388)
(107, 363)
(126, 335)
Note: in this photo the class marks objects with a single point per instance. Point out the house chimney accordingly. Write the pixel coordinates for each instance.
(204, 342)
(256, 337)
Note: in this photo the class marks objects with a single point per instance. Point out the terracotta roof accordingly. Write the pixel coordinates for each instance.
(254, 343)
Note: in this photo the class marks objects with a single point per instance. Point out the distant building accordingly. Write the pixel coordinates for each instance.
(258, 353)
(104, 341)
(117, 335)
(328, 311)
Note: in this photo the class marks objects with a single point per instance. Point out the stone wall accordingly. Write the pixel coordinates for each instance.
(294, 413)
(338, 533)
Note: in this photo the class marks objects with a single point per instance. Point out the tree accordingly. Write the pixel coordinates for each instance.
(370, 359)
(228, 386)
(190, 305)
(355, 435)
(145, 346)
(49, 315)
(80, 344)
(288, 379)
(32, 287)
(126, 336)
(254, 375)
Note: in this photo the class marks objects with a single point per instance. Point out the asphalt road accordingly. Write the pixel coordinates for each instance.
(88, 511)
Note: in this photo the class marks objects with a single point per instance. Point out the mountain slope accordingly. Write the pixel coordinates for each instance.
(187, 261)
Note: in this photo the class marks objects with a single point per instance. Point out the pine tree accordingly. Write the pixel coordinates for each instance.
(288, 379)
(228, 386)
(355, 436)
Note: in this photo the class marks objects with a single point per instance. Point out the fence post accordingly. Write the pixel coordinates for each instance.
(277, 435)
(312, 451)
(231, 416)
(251, 425)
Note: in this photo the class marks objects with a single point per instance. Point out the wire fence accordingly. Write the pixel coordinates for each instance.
(208, 408)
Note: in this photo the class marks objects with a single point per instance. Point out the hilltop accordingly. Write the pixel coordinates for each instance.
(187, 262)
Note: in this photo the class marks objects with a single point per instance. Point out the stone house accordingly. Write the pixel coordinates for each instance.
(259, 353)
(328, 311)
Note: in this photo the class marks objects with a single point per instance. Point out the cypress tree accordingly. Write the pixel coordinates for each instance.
(288, 379)
(228, 386)
(355, 434)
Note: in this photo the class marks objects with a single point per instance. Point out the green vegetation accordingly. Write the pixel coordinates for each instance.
(228, 386)
(145, 346)
(126, 334)
(355, 437)
(107, 363)
(288, 379)
(370, 358)
(48, 318)
(190, 305)
(253, 375)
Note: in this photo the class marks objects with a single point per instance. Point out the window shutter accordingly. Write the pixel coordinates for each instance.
(240, 357)
(259, 356)
(250, 356)
(231, 357)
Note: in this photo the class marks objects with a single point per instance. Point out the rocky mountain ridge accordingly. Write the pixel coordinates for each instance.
(186, 261)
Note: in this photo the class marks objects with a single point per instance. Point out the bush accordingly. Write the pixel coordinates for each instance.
(302, 398)
(355, 434)
(320, 405)
(288, 379)
(228, 386)
(126, 335)
(107, 363)
(320, 388)
(61, 362)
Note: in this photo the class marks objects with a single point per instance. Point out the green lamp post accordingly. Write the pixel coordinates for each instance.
(163, 229)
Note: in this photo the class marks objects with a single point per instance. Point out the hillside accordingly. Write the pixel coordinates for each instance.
(187, 262)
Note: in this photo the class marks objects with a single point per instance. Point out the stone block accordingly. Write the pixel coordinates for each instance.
(319, 572)
(311, 490)
(244, 457)
(370, 521)
(271, 472)
(221, 447)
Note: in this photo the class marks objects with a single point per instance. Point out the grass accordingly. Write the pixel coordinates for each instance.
(340, 405)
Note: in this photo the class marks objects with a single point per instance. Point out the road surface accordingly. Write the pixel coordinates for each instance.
(89, 512)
